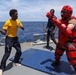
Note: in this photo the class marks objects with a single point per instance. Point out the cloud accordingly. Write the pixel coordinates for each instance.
(33, 10)
(14, 0)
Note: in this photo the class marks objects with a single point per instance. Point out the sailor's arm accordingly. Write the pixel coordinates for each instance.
(55, 29)
(3, 31)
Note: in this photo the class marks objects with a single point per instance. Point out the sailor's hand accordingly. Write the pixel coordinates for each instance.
(45, 30)
(19, 25)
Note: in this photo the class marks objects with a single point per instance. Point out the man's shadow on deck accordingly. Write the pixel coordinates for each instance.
(49, 48)
(9, 66)
(64, 67)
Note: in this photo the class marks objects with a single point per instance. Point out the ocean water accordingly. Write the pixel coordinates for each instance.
(30, 29)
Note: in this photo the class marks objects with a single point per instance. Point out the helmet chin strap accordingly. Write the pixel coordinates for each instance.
(66, 19)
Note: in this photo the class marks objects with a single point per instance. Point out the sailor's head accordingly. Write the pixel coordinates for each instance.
(13, 13)
(66, 12)
(52, 10)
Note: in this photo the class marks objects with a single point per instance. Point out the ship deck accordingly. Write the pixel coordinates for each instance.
(24, 70)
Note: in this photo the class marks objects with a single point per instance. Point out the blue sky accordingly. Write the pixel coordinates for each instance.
(33, 10)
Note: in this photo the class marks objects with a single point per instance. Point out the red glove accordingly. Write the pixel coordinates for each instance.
(49, 14)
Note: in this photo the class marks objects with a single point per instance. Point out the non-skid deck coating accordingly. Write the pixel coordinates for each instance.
(41, 60)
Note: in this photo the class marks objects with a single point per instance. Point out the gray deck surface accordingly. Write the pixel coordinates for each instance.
(23, 70)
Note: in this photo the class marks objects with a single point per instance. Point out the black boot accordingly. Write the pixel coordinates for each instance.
(55, 63)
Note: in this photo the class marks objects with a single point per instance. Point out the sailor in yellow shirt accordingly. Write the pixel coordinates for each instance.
(10, 29)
